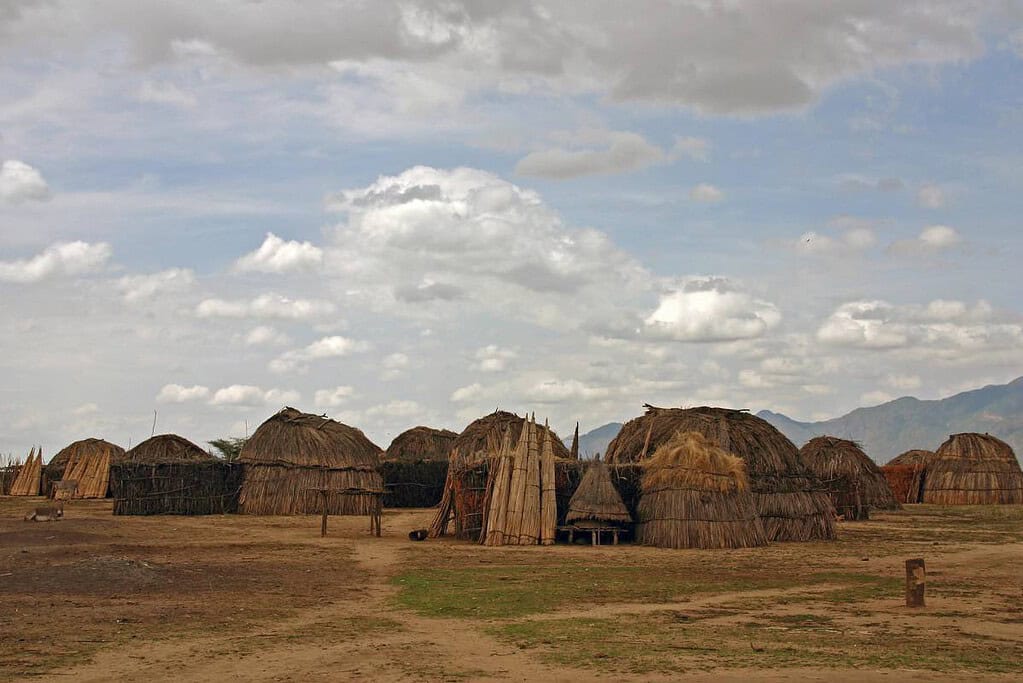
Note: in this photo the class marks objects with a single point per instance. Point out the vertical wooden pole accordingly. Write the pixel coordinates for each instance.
(916, 580)
(323, 520)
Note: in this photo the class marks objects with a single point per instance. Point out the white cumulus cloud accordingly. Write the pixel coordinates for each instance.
(139, 287)
(20, 182)
(710, 309)
(334, 346)
(252, 396)
(276, 255)
(932, 240)
(265, 306)
(176, 393)
(706, 193)
(61, 259)
(332, 398)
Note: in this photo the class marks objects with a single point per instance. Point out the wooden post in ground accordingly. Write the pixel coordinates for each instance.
(916, 580)
(323, 520)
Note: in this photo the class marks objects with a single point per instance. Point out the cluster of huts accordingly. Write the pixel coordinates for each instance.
(673, 477)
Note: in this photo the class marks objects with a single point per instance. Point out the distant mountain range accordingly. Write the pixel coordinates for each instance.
(894, 427)
(596, 440)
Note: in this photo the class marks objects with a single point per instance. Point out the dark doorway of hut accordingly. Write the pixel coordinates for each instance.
(375, 507)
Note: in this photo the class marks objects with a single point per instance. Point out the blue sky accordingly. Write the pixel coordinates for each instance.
(413, 213)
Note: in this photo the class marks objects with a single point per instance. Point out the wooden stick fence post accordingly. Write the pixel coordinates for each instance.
(323, 520)
(916, 580)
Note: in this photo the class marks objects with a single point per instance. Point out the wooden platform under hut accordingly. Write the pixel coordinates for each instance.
(175, 487)
(854, 481)
(905, 475)
(294, 453)
(791, 502)
(973, 469)
(597, 505)
(696, 495)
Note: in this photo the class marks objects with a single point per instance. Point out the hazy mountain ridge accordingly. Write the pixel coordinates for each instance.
(596, 440)
(897, 426)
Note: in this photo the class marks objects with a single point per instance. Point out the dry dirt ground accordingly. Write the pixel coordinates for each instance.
(97, 598)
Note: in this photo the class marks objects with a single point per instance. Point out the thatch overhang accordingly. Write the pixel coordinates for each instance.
(696, 495)
(914, 457)
(791, 502)
(597, 499)
(974, 469)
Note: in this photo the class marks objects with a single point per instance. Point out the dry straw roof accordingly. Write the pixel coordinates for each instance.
(597, 499)
(87, 448)
(484, 435)
(973, 469)
(696, 495)
(421, 443)
(912, 458)
(790, 500)
(167, 448)
(297, 439)
(846, 470)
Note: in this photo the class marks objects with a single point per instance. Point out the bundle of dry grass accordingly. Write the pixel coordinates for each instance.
(86, 462)
(790, 501)
(29, 477)
(167, 448)
(905, 475)
(855, 482)
(294, 452)
(695, 495)
(597, 499)
(483, 436)
(974, 469)
(421, 444)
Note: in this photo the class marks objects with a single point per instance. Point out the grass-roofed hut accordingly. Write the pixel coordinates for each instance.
(905, 474)
(791, 503)
(294, 452)
(421, 443)
(696, 495)
(855, 482)
(974, 469)
(167, 448)
(86, 460)
(415, 467)
(596, 502)
(469, 469)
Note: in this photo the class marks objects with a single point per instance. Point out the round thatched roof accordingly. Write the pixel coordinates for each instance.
(912, 458)
(790, 500)
(596, 498)
(484, 435)
(86, 448)
(167, 448)
(294, 438)
(421, 443)
(973, 469)
(846, 470)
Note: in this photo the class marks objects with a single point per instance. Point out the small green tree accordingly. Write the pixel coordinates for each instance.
(230, 448)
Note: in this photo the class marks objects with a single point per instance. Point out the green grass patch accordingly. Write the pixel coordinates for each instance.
(515, 591)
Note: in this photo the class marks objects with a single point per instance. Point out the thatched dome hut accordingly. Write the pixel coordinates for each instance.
(854, 481)
(790, 500)
(421, 444)
(695, 495)
(293, 453)
(597, 500)
(974, 469)
(484, 435)
(167, 448)
(93, 451)
(906, 473)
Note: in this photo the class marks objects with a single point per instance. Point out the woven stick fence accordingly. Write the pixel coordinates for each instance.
(176, 488)
(29, 477)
